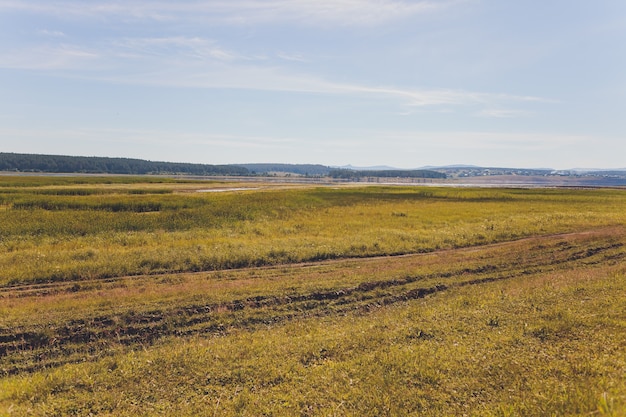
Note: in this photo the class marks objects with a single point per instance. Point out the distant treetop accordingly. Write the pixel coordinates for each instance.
(102, 165)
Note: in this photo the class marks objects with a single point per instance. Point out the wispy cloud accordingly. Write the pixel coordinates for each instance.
(291, 57)
(201, 62)
(274, 78)
(63, 56)
(197, 62)
(194, 48)
(51, 33)
(147, 137)
(127, 55)
(344, 12)
(436, 97)
(503, 113)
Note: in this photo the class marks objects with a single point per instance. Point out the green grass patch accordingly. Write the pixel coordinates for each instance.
(156, 230)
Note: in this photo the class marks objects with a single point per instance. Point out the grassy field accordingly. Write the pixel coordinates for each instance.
(152, 296)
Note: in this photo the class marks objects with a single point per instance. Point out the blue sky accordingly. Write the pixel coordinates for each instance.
(363, 82)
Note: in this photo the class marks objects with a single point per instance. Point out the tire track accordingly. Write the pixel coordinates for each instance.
(25, 349)
(50, 288)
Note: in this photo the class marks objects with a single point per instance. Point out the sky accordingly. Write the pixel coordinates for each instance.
(402, 83)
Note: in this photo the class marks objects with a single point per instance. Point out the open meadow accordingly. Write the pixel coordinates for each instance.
(142, 296)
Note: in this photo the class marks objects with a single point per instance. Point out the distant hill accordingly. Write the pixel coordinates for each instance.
(100, 165)
(459, 166)
(17, 162)
(372, 168)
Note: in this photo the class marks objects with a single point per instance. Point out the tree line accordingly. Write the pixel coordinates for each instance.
(101, 165)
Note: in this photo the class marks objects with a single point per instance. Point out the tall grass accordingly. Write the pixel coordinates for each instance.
(103, 232)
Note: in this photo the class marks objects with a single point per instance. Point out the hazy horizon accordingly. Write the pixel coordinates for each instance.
(363, 82)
